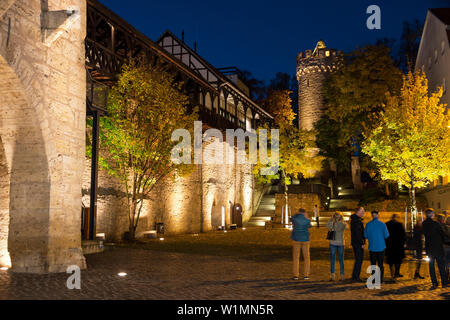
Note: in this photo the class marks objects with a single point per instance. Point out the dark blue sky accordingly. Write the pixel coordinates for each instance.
(263, 36)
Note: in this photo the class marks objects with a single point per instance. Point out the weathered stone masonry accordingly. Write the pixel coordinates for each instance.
(42, 131)
(188, 204)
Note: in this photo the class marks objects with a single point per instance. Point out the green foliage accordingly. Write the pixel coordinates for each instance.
(295, 146)
(412, 142)
(144, 107)
(355, 96)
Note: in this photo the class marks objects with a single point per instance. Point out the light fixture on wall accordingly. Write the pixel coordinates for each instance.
(4, 268)
(122, 274)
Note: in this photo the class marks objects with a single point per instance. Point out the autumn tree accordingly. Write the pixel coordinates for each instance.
(356, 92)
(412, 142)
(144, 107)
(295, 146)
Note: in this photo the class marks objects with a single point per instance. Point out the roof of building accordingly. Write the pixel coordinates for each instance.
(442, 14)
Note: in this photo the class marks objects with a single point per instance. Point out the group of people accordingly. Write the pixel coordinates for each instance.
(386, 240)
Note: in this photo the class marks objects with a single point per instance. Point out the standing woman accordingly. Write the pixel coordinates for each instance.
(337, 227)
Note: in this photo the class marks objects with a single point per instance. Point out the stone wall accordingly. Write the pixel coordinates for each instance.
(188, 204)
(42, 123)
(306, 201)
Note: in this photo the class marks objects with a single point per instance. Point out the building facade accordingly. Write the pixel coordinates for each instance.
(434, 59)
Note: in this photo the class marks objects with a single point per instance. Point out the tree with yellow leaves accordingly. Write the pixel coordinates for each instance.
(144, 107)
(412, 143)
(295, 145)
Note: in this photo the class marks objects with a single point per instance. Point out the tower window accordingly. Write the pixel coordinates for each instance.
(327, 53)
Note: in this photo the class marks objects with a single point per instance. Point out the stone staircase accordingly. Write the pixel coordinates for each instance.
(265, 211)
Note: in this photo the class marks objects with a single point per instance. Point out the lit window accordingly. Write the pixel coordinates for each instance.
(327, 53)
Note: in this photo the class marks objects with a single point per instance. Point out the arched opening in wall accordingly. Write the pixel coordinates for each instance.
(248, 119)
(222, 105)
(208, 102)
(24, 178)
(256, 121)
(201, 98)
(241, 115)
(231, 108)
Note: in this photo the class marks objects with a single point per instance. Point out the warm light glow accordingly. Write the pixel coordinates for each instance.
(223, 216)
(122, 274)
(426, 259)
(161, 239)
(4, 268)
(225, 231)
(339, 188)
(243, 228)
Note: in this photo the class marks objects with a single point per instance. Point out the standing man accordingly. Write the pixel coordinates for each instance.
(446, 231)
(316, 214)
(358, 241)
(377, 233)
(395, 246)
(434, 246)
(418, 247)
(300, 242)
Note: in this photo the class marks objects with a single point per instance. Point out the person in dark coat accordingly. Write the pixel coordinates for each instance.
(358, 241)
(446, 230)
(395, 246)
(434, 245)
(417, 242)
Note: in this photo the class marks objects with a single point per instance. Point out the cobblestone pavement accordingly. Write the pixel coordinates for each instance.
(168, 275)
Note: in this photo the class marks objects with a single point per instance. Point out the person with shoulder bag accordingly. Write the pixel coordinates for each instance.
(336, 228)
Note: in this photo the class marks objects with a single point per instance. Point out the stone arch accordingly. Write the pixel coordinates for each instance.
(256, 121)
(208, 101)
(24, 213)
(231, 105)
(241, 112)
(248, 119)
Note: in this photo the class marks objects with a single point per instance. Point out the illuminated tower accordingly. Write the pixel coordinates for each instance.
(313, 67)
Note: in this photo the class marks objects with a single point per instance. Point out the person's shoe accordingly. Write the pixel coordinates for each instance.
(418, 276)
(399, 276)
(342, 278)
(333, 277)
(359, 280)
(294, 278)
(433, 287)
(306, 278)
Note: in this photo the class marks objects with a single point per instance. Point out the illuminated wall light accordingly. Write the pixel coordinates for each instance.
(223, 216)
(4, 268)
(122, 274)
(161, 239)
(339, 188)
(243, 228)
(426, 259)
(225, 231)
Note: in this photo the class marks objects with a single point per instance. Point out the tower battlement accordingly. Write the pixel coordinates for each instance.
(321, 59)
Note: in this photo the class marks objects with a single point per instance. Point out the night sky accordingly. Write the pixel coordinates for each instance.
(264, 37)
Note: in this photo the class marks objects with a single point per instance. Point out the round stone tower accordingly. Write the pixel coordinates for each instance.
(313, 67)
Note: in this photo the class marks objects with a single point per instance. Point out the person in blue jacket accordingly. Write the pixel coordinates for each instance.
(300, 242)
(377, 233)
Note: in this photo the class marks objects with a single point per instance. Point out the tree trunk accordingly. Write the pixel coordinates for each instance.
(132, 226)
(286, 199)
(412, 197)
